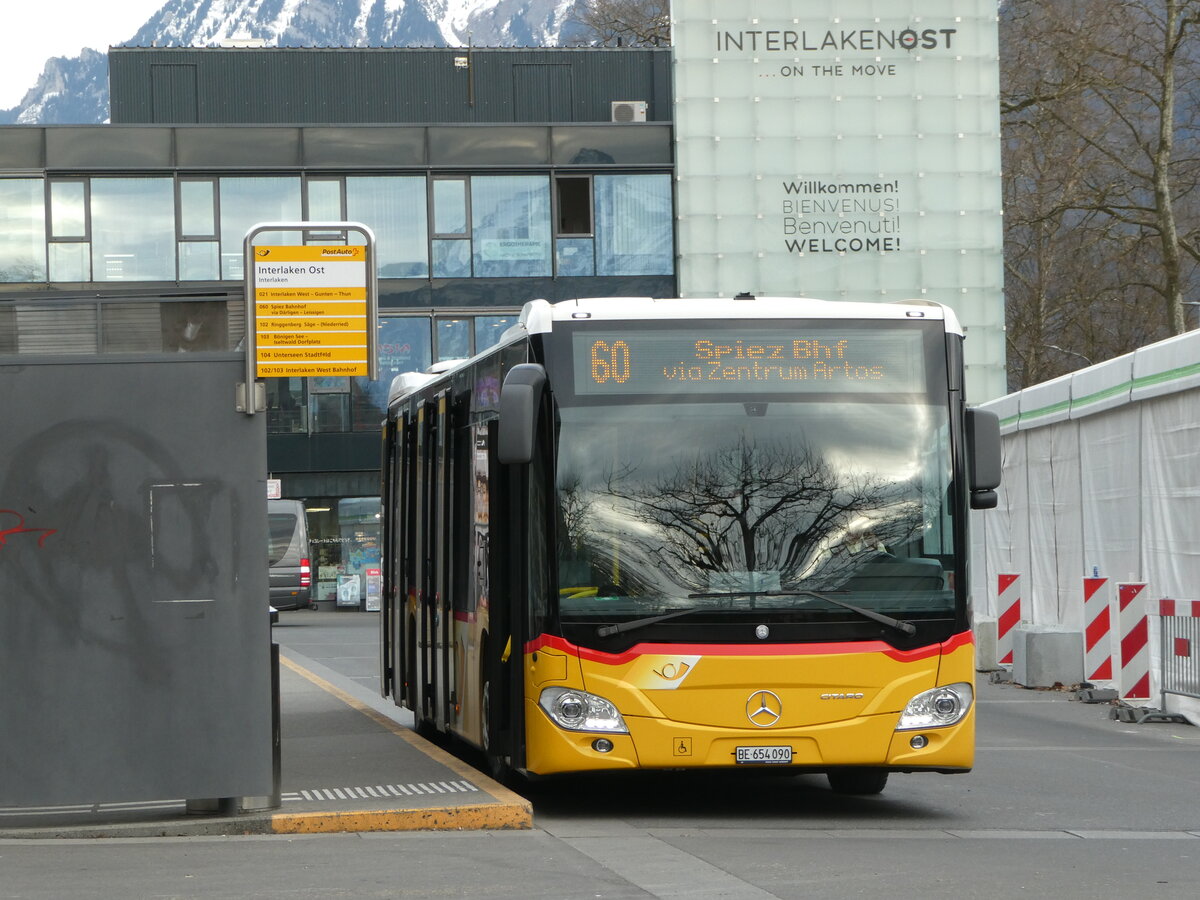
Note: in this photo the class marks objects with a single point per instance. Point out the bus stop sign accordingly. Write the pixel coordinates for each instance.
(312, 307)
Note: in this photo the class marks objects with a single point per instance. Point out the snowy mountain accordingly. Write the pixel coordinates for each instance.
(70, 90)
(75, 90)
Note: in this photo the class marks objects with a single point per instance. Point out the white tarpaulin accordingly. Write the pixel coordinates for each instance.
(1101, 479)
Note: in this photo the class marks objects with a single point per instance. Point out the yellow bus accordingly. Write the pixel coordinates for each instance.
(689, 534)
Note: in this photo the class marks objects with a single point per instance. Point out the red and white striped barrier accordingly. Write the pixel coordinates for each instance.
(1180, 623)
(1135, 643)
(1185, 608)
(1097, 651)
(1009, 604)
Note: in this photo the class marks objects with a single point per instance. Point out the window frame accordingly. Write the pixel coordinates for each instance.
(180, 234)
(465, 234)
(86, 237)
(557, 210)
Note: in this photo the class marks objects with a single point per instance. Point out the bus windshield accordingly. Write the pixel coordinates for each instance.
(697, 506)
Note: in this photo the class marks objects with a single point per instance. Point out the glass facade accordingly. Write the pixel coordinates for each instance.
(245, 202)
(160, 255)
(132, 224)
(191, 228)
(510, 218)
(395, 210)
(22, 230)
(406, 344)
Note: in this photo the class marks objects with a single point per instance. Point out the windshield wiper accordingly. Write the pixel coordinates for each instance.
(633, 624)
(905, 627)
(606, 630)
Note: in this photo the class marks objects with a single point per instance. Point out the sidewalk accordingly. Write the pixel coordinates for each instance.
(349, 763)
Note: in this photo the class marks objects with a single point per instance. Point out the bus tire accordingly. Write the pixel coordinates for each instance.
(497, 766)
(859, 782)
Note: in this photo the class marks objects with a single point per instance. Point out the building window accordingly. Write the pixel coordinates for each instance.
(451, 210)
(287, 405)
(197, 209)
(394, 208)
(633, 225)
(246, 202)
(489, 330)
(453, 339)
(573, 196)
(510, 222)
(197, 217)
(323, 200)
(70, 261)
(68, 209)
(575, 256)
(450, 250)
(69, 251)
(451, 259)
(22, 230)
(132, 222)
(329, 404)
(574, 248)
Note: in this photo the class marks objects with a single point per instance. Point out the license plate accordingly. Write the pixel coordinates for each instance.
(763, 756)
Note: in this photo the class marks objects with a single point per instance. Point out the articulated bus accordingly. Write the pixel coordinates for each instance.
(689, 534)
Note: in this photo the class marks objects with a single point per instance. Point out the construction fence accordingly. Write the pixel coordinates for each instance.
(1097, 530)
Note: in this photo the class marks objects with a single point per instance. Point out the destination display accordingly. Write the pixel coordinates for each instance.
(718, 360)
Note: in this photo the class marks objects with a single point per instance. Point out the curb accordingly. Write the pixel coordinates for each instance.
(509, 811)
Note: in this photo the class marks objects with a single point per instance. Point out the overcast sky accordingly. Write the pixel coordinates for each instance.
(35, 30)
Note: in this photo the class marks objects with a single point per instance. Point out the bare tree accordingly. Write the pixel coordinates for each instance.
(624, 23)
(1100, 173)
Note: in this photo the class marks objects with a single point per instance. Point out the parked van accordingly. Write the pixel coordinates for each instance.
(288, 555)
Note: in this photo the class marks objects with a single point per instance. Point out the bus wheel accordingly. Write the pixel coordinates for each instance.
(497, 767)
(485, 715)
(857, 781)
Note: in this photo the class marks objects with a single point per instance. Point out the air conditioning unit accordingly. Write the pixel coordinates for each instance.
(629, 110)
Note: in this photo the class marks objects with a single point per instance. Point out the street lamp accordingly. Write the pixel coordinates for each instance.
(1068, 352)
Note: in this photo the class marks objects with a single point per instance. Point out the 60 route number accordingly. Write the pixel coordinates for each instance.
(610, 361)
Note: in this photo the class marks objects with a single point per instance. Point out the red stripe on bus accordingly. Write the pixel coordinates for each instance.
(828, 649)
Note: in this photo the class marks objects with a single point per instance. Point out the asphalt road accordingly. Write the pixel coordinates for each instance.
(1063, 802)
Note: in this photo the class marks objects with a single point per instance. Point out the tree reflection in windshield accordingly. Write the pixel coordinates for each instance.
(762, 509)
(755, 509)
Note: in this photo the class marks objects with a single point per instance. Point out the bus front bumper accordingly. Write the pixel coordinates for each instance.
(662, 744)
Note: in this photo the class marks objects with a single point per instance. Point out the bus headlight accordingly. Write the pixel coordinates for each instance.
(581, 711)
(937, 708)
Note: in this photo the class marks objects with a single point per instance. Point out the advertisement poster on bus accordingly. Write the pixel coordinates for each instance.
(846, 150)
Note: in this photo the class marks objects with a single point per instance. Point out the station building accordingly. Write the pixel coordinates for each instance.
(488, 176)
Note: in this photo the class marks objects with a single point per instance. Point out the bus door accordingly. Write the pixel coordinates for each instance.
(398, 628)
(441, 530)
(503, 694)
(520, 573)
(424, 639)
(390, 469)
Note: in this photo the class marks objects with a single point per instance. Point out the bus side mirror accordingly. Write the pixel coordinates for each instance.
(983, 457)
(520, 399)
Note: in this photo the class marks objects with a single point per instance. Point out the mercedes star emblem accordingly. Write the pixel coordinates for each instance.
(764, 709)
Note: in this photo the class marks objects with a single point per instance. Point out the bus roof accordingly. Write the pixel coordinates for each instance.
(539, 316)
